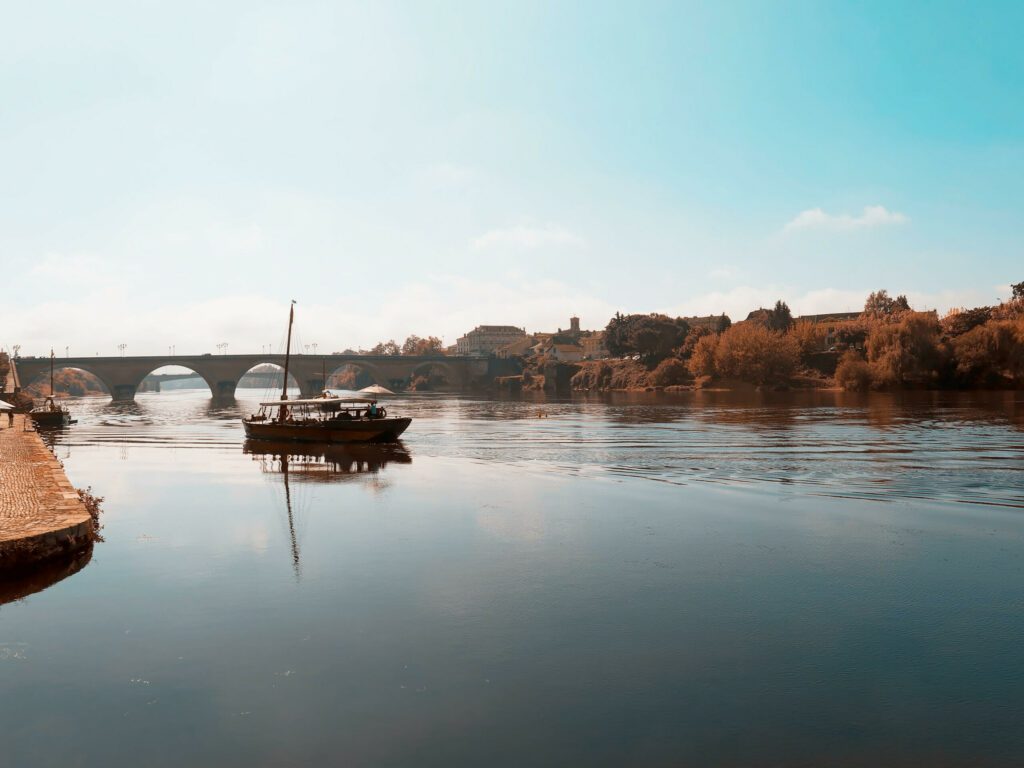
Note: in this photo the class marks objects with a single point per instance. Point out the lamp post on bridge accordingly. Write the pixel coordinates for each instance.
(223, 347)
(122, 348)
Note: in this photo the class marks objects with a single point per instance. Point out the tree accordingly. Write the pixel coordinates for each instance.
(959, 322)
(905, 352)
(702, 359)
(690, 342)
(780, 318)
(989, 353)
(853, 373)
(670, 371)
(386, 348)
(879, 305)
(616, 336)
(1018, 291)
(753, 353)
(431, 345)
(653, 337)
(810, 337)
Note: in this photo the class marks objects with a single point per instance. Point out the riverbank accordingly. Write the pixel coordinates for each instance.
(41, 513)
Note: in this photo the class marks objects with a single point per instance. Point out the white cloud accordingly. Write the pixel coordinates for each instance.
(528, 237)
(871, 217)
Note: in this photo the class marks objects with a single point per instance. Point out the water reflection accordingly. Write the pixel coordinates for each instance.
(655, 566)
(325, 463)
(311, 463)
(27, 581)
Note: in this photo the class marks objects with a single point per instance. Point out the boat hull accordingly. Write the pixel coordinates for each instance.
(358, 431)
(50, 418)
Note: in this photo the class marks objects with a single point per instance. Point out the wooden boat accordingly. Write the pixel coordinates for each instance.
(51, 413)
(324, 419)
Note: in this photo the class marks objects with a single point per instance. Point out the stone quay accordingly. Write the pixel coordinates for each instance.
(41, 514)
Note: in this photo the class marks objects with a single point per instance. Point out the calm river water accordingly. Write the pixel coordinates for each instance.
(706, 580)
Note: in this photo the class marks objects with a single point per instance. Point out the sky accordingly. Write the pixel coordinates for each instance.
(174, 173)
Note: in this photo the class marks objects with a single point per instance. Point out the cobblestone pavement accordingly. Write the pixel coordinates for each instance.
(36, 498)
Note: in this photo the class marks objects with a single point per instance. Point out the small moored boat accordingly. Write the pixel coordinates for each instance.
(51, 413)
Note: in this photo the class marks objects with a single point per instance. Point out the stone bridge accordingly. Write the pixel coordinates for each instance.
(123, 375)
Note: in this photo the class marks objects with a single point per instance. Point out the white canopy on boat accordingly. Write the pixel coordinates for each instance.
(6, 406)
(323, 401)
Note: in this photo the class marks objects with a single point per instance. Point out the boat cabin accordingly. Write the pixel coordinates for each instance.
(319, 409)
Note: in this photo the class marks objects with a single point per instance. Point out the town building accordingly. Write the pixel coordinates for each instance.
(522, 347)
(593, 346)
(831, 317)
(485, 340)
(562, 352)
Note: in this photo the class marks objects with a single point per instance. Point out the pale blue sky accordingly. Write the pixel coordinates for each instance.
(175, 172)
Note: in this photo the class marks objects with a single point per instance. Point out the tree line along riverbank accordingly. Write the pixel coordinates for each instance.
(886, 346)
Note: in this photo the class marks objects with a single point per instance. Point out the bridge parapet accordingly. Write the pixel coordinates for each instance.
(122, 376)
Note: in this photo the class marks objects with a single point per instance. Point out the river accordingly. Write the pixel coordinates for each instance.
(704, 579)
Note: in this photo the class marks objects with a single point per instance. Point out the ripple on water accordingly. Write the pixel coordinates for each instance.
(962, 447)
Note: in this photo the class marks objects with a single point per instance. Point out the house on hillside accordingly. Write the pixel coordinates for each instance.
(593, 346)
(519, 348)
(485, 340)
(561, 351)
(828, 317)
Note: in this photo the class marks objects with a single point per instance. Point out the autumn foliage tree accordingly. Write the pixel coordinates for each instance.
(386, 348)
(853, 372)
(880, 306)
(991, 354)
(431, 345)
(906, 351)
(702, 357)
(669, 372)
(810, 337)
(753, 353)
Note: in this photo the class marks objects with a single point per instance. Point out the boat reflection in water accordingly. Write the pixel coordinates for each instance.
(326, 462)
(309, 463)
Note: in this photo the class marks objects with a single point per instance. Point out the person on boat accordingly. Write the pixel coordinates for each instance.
(371, 412)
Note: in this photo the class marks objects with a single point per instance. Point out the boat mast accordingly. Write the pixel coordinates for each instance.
(287, 359)
(51, 372)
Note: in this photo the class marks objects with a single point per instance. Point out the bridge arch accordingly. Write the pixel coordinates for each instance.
(268, 380)
(43, 375)
(428, 370)
(160, 368)
(370, 370)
